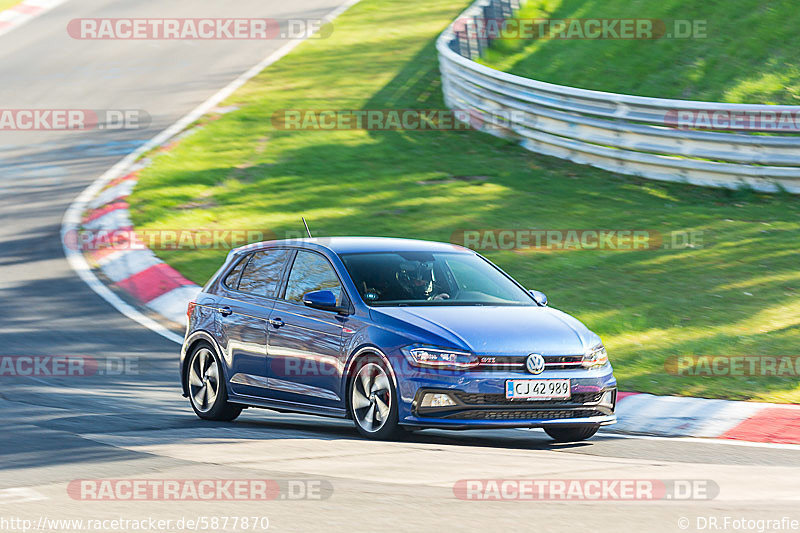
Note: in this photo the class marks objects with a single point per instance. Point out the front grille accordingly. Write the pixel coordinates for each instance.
(516, 363)
(528, 414)
(500, 399)
(562, 362)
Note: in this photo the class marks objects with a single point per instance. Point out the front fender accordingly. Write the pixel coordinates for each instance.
(350, 366)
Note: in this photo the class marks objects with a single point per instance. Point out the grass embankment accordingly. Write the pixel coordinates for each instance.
(748, 54)
(738, 294)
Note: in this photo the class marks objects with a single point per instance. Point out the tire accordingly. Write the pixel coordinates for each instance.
(572, 434)
(373, 400)
(208, 393)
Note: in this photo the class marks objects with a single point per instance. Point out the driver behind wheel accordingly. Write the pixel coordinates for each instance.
(418, 280)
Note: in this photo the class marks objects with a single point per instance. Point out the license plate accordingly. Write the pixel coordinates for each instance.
(537, 389)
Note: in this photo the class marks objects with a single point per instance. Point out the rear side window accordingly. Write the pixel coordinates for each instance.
(262, 275)
(232, 279)
(312, 272)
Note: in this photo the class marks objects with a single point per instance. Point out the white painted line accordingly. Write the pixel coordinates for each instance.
(9, 15)
(645, 416)
(612, 434)
(72, 217)
(726, 442)
(20, 495)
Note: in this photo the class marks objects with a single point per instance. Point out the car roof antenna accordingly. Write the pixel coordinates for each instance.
(307, 230)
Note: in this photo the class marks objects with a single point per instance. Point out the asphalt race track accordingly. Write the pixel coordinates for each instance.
(136, 425)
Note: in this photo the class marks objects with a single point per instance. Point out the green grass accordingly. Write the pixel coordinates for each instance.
(738, 294)
(749, 53)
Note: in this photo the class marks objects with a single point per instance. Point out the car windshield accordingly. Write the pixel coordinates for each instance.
(422, 278)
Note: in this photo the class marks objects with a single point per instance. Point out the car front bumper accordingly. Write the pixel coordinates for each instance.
(480, 401)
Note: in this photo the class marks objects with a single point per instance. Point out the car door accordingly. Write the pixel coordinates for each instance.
(305, 345)
(247, 297)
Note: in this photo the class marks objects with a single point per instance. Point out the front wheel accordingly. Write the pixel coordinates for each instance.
(207, 390)
(572, 434)
(373, 400)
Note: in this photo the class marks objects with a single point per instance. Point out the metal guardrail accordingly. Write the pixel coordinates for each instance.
(622, 133)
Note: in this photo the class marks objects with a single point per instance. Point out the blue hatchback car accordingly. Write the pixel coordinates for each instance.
(394, 334)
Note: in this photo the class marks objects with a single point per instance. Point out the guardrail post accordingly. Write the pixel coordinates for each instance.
(472, 43)
(459, 44)
(489, 22)
(480, 34)
(506, 8)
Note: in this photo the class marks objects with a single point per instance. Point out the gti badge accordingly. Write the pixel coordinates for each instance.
(535, 363)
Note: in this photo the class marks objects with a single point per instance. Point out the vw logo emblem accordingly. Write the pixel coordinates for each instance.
(535, 363)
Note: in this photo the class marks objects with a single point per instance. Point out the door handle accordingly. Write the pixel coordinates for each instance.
(276, 322)
(225, 311)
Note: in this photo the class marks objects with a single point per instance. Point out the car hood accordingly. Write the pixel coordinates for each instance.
(500, 330)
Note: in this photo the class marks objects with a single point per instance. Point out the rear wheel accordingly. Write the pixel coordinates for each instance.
(572, 434)
(207, 391)
(373, 400)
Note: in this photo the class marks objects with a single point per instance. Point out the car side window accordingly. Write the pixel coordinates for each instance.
(312, 272)
(262, 275)
(232, 279)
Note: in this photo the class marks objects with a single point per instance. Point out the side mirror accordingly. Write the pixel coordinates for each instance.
(539, 297)
(324, 300)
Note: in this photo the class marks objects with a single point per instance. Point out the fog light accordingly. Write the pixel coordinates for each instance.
(437, 400)
(608, 398)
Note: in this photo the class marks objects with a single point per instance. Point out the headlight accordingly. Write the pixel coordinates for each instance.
(595, 357)
(440, 357)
